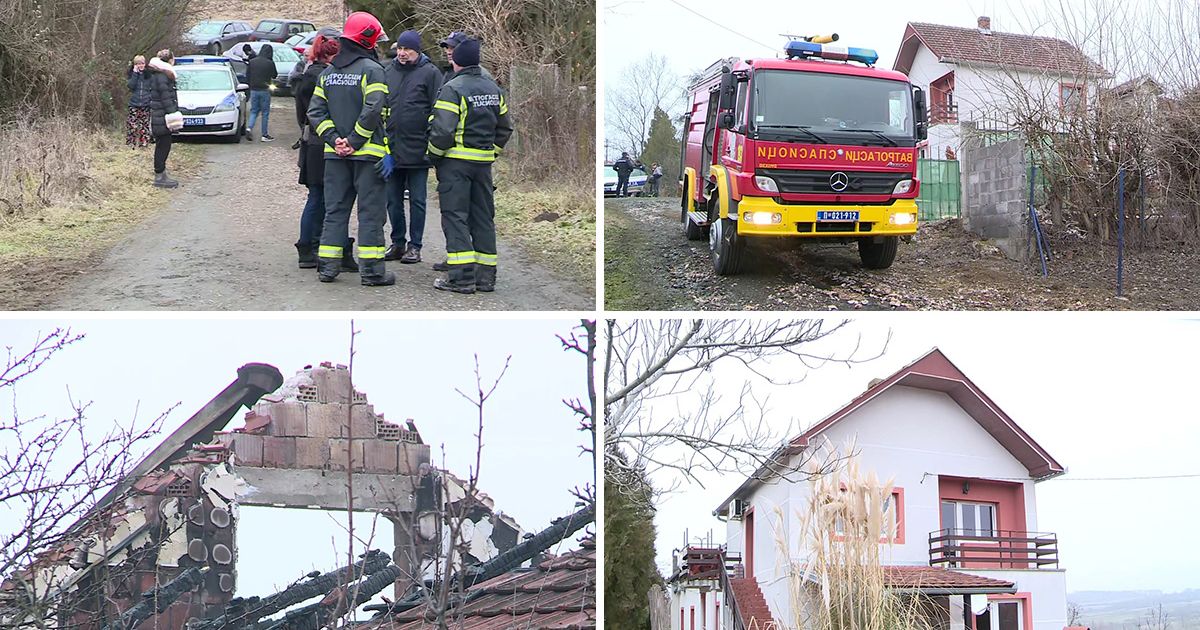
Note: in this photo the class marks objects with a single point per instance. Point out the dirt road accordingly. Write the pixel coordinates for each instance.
(225, 242)
(649, 265)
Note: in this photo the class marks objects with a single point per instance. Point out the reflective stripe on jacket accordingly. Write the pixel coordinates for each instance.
(470, 119)
(348, 102)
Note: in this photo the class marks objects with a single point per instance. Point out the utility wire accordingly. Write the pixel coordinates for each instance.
(1140, 478)
(718, 24)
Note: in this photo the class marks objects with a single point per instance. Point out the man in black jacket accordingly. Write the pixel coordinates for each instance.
(260, 72)
(413, 84)
(624, 167)
(468, 129)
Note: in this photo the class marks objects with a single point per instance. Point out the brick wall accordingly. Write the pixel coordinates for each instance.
(996, 194)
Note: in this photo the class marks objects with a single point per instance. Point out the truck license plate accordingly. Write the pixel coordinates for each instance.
(192, 122)
(837, 215)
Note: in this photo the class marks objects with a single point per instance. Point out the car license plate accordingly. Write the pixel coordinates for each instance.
(192, 122)
(837, 215)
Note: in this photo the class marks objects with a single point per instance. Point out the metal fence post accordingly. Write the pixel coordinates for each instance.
(1120, 231)
(1033, 220)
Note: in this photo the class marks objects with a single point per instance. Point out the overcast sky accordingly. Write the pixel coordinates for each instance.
(408, 369)
(634, 29)
(1106, 395)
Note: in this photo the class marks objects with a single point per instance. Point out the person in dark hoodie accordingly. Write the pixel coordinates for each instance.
(347, 112)
(164, 100)
(137, 127)
(312, 154)
(260, 72)
(413, 84)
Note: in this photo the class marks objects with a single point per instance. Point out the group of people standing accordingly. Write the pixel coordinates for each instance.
(371, 133)
(154, 110)
(625, 165)
(378, 131)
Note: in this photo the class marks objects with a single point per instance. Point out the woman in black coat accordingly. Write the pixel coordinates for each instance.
(163, 101)
(137, 127)
(312, 157)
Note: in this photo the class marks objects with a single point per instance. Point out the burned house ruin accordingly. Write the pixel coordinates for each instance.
(160, 549)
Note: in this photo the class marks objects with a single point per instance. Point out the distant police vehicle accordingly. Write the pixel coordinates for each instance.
(210, 98)
(637, 181)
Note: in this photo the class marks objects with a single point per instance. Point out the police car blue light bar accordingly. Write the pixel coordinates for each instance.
(179, 60)
(806, 50)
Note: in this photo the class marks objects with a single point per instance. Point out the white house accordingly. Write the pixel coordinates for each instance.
(981, 76)
(965, 519)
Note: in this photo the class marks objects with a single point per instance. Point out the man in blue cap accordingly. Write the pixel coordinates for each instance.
(413, 84)
(469, 127)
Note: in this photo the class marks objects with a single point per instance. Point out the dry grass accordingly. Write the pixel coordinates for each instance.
(62, 206)
(836, 580)
(320, 13)
(554, 222)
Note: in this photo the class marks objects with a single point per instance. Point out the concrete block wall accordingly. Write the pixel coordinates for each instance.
(996, 194)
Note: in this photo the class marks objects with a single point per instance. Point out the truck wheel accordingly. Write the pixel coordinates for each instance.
(878, 255)
(727, 247)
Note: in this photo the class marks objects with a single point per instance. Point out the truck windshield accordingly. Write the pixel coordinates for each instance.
(841, 109)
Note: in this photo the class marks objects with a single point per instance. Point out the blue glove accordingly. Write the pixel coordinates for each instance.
(385, 166)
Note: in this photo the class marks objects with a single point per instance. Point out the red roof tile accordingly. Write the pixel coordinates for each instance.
(559, 594)
(937, 577)
(957, 45)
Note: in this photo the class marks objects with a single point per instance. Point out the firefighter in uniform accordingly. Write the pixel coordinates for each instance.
(468, 128)
(347, 112)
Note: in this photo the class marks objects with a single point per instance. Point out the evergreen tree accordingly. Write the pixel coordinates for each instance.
(663, 147)
(629, 570)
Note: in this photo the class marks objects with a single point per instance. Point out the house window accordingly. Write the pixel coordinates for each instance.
(893, 514)
(942, 106)
(1002, 614)
(1072, 97)
(969, 519)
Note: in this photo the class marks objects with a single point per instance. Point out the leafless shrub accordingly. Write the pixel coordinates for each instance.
(69, 57)
(47, 162)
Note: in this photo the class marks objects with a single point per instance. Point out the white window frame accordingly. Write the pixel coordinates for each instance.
(994, 613)
(960, 507)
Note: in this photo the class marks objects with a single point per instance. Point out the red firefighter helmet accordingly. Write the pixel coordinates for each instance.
(363, 28)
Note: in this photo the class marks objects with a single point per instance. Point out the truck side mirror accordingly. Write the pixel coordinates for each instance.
(728, 90)
(921, 114)
(725, 120)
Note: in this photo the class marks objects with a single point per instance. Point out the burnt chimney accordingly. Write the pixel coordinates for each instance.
(985, 24)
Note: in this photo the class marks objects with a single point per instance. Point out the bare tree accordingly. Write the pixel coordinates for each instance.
(53, 470)
(666, 383)
(1074, 614)
(1155, 619)
(585, 411)
(645, 86)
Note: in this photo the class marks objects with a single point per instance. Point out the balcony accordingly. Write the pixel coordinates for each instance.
(1005, 549)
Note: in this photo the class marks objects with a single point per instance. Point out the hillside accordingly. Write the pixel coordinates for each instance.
(1114, 610)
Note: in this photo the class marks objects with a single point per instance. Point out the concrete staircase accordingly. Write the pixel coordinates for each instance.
(756, 615)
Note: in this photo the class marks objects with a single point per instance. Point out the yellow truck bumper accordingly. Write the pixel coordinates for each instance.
(898, 219)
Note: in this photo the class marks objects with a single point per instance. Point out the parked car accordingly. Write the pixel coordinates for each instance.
(279, 29)
(637, 181)
(216, 36)
(211, 99)
(285, 60)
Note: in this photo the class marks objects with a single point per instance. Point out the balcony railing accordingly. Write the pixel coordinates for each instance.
(943, 113)
(1004, 549)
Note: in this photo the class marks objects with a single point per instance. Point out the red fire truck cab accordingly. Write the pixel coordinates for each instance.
(820, 145)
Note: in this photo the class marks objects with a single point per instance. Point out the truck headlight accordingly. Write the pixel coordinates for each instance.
(765, 183)
(902, 218)
(903, 187)
(762, 218)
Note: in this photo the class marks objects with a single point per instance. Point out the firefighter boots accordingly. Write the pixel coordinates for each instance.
(308, 257)
(485, 278)
(374, 274)
(328, 268)
(163, 181)
(441, 266)
(461, 279)
(348, 263)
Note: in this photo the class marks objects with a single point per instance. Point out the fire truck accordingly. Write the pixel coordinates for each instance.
(820, 145)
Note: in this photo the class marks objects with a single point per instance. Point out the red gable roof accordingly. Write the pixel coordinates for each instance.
(939, 579)
(952, 44)
(935, 372)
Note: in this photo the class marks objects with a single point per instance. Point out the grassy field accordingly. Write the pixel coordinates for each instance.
(552, 222)
(629, 283)
(60, 209)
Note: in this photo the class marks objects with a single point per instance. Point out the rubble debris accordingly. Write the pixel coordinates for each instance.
(315, 616)
(157, 600)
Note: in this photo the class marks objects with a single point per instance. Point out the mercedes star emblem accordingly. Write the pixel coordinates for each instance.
(839, 181)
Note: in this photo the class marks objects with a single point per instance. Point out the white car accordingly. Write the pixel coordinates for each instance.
(211, 100)
(637, 181)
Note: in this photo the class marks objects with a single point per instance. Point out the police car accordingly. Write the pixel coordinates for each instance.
(211, 99)
(637, 181)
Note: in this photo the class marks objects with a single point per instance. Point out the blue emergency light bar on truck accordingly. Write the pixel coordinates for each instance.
(808, 50)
